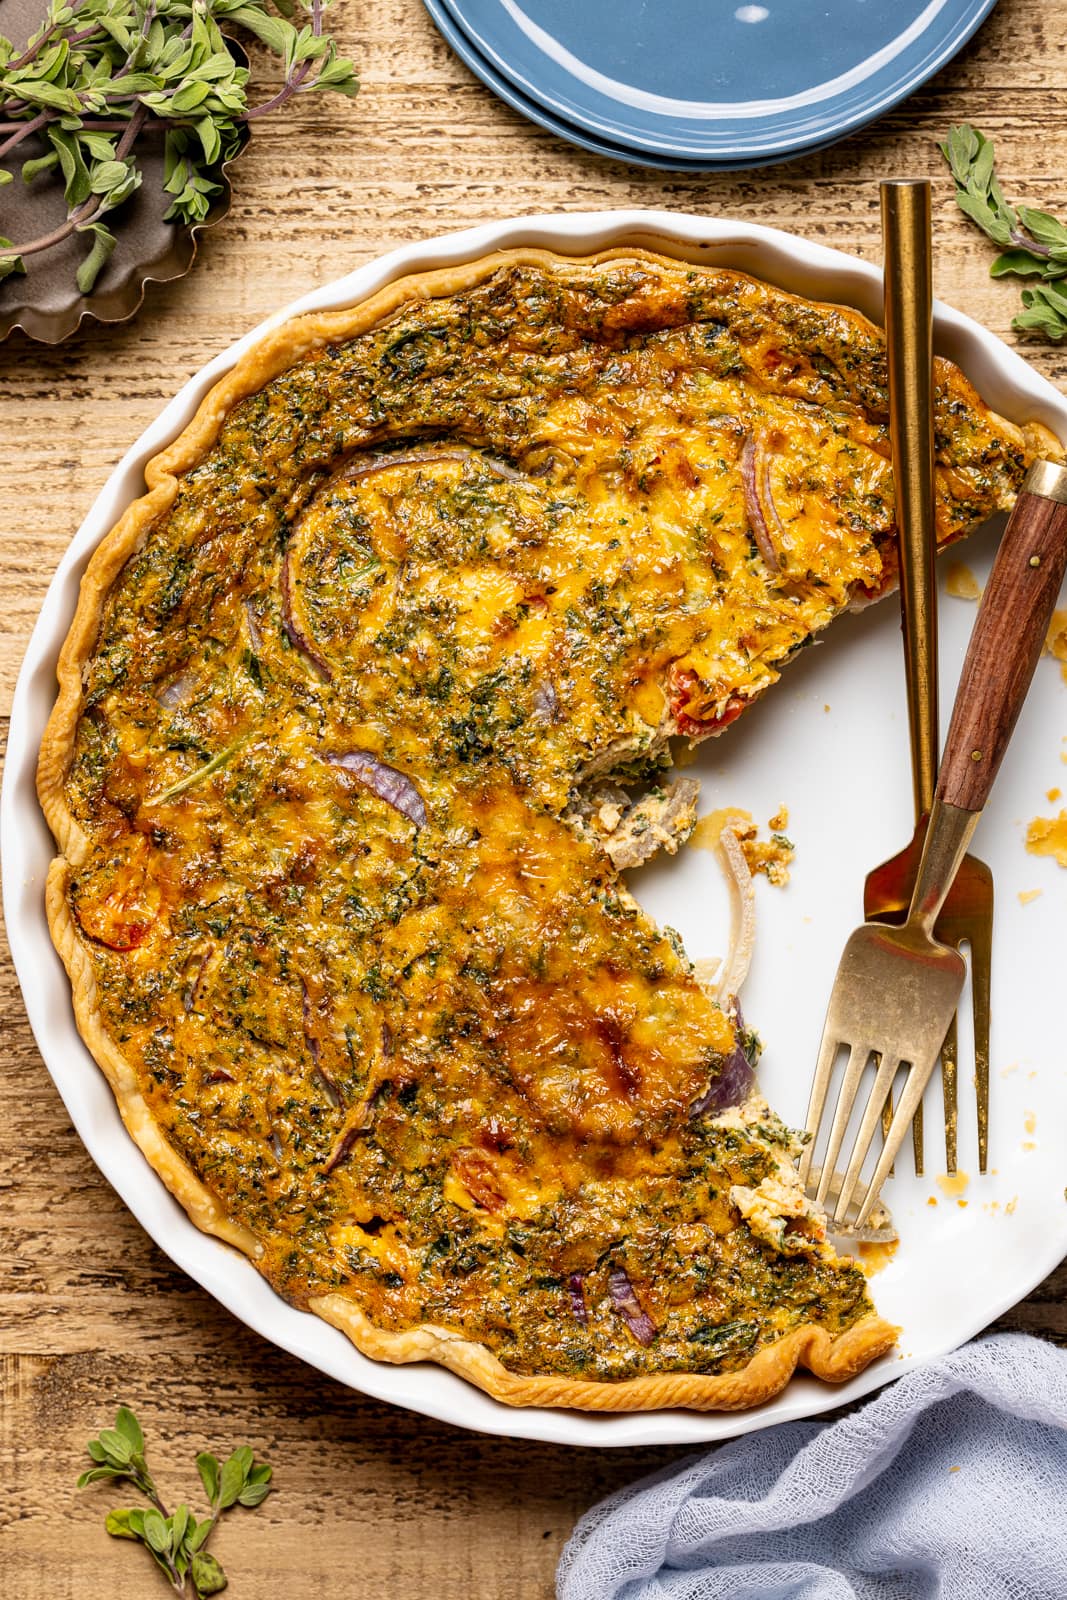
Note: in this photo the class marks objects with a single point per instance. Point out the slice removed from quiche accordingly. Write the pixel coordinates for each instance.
(420, 579)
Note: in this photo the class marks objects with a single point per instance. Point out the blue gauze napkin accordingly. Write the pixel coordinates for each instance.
(951, 1483)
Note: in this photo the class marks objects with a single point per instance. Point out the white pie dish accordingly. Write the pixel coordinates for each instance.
(844, 777)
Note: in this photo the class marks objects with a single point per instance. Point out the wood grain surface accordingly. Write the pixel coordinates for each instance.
(370, 1502)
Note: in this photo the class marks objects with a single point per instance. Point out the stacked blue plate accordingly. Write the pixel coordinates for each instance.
(702, 85)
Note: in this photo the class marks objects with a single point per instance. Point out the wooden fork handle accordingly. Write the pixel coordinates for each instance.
(1012, 622)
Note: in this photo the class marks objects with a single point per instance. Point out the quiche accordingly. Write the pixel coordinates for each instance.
(340, 883)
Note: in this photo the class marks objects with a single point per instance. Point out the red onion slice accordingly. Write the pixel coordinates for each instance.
(576, 1296)
(255, 637)
(189, 998)
(628, 1306)
(546, 701)
(733, 1084)
(768, 503)
(295, 634)
(333, 1093)
(753, 508)
(341, 1149)
(742, 915)
(386, 782)
(358, 1121)
(418, 458)
(177, 691)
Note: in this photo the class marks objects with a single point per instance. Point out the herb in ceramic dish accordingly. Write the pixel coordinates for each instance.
(175, 1541)
(1033, 243)
(99, 75)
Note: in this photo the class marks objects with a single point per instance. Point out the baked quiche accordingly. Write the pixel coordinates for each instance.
(366, 706)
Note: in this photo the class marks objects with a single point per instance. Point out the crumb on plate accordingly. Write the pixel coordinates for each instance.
(1047, 836)
(961, 582)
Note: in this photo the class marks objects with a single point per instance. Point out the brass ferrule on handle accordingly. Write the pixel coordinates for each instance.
(910, 356)
(948, 835)
(1047, 479)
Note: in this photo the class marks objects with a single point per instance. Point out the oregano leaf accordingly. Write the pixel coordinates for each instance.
(103, 244)
(37, 164)
(208, 1467)
(118, 1525)
(198, 1536)
(116, 1447)
(231, 1482)
(1023, 263)
(207, 1574)
(96, 1474)
(179, 1522)
(1044, 228)
(156, 1532)
(253, 1493)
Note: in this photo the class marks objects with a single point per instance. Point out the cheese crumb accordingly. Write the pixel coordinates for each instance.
(961, 582)
(1027, 895)
(1047, 836)
(769, 856)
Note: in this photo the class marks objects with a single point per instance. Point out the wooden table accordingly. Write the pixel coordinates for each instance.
(370, 1502)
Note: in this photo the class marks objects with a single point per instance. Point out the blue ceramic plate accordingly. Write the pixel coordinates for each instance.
(710, 81)
(454, 35)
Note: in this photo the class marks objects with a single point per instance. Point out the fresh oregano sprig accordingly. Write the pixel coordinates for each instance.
(174, 1541)
(98, 74)
(1033, 243)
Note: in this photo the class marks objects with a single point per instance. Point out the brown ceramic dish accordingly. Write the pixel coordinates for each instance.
(46, 303)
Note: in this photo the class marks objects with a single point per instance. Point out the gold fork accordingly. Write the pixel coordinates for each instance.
(967, 915)
(897, 988)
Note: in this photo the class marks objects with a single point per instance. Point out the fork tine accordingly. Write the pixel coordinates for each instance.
(981, 963)
(846, 1099)
(887, 1116)
(949, 1060)
(817, 1104)
(883, 1082)
(912, 1093)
